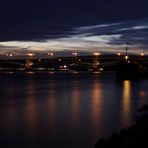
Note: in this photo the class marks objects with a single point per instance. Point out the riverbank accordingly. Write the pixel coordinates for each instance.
(135, 136)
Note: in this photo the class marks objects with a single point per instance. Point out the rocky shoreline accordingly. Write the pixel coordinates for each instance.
(135, 136)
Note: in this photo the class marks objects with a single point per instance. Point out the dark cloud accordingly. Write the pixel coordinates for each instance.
(39, 20)
(135, 31)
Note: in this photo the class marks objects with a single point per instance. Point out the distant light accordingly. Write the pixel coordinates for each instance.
(65, 66)
(50, 53)
(79, 60)
(96, 53)
(74, 53)
(118, 53)
(126, 57)
(101, 69)
(30, 54)
(142, 54)
(30, 72)
(9, 54)
(59, 60)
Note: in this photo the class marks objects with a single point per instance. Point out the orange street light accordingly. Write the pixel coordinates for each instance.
(9, 54)
(118, 53)
(126, 57)
(142, 54)
(50, 53)
(96, 54)
(30, 54)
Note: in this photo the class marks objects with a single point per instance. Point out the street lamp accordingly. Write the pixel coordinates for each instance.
(96, 62)
(30, 54)
(74, 56)
(9, 55)
(59, 60)
(50, 54)
(126, 57)
(74, 53)
(96, 54)
(142, 54)
(126, 47)
(118, 53)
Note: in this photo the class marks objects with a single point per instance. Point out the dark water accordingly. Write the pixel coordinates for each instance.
(65, 110)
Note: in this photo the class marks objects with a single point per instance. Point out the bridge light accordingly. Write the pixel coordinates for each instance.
(96, 53)
(50, 53)
(142, 54)
(30, 54)
(59, 60)
(118, 53)
(9, 54)
(65, 66)
(126, 57)
(74, 53)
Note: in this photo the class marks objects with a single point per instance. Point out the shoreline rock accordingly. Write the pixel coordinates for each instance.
(136, 136)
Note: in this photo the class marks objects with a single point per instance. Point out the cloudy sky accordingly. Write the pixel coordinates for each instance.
(67, 25)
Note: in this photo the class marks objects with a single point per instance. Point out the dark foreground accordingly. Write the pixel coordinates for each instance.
(134, 137)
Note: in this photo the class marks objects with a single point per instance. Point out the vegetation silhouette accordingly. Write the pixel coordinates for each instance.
(135, 136)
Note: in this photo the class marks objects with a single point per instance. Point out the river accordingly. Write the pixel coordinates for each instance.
(65, 110)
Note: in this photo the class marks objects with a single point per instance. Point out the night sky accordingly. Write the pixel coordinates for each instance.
(84, 25)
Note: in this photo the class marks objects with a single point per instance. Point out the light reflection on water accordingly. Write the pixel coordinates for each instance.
(30, 110)
(75, 104)
(96, 108)
(51, 104)
(65, 110)
(126, 103)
